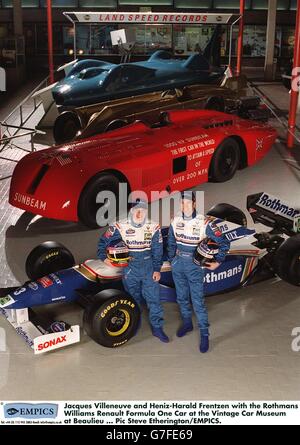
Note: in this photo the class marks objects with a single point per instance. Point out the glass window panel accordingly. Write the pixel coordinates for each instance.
(278, 40)
(158, 37)
(30, 3)
(42, 39)
(254, 44)
(283, 4)
(3, 30)
(98, 3)
(150, 38)
(188, 39)
(287, 41)
(30, 42)
(259, 4)
(230, 4)
(60, 3)
(68, 40)
(294, 5)
(205, 4)
(146, 2)
(83, 39)
(100, 41)
(254, 41)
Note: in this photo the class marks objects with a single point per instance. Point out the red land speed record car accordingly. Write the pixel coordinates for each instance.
(185, 148)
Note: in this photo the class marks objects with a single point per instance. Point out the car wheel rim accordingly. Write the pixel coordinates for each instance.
(118, 323)
(228, 164)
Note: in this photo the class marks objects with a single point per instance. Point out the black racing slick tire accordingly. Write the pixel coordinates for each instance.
(66, 126)
(215, 103)
(88, 207)
(112, 322)
(225, 161)
(287, 260)
(230, 213)
(47, 258)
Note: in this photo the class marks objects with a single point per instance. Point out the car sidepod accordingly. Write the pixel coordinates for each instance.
(240, 264)
(231, 274)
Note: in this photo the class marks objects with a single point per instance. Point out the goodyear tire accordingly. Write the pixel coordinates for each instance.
(87, 205)
(66, 126)
(112, 322)
(225, 161)
(230, 213)
(287, 260)
(215, 103)
(47, 258)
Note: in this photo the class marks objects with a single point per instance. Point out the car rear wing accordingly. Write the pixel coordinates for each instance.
(273, 212)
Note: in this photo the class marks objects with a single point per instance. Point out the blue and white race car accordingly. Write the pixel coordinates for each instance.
(111, 316)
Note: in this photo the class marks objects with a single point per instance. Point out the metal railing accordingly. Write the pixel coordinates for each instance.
(13, 128)
(282, 120)
(19, 109)
(8, 143)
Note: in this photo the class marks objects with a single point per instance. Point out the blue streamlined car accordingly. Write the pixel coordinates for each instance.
(91, 81)
(111, 316)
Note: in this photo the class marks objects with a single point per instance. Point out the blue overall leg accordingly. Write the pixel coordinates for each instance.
(195, 277)
(182, 288)
(133, 284)
(151, 295)
(188, 279)
(138, 280)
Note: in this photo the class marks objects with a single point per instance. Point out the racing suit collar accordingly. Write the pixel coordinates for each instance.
(188, 218)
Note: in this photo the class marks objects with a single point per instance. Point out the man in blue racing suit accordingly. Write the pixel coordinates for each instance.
(141, 277)
(186, 231)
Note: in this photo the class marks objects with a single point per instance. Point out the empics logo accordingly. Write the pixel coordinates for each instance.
(30, 410)
(2, 79)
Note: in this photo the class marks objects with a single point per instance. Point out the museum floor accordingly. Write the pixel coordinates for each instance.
(250, 356)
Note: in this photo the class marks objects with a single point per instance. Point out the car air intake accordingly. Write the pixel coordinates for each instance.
(226, 123)
(37, 180)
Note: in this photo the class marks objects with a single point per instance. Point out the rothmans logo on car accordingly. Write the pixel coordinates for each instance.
(275, 205)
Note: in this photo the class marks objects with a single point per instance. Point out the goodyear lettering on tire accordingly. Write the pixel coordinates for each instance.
(51, 254)
(115, 345)
(114, 304)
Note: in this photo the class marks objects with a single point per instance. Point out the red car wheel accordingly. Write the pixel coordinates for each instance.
(225, 161)
(88, 207)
